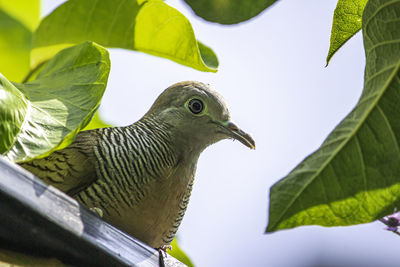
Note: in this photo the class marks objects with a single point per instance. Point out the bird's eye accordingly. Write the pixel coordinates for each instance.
(196, 106)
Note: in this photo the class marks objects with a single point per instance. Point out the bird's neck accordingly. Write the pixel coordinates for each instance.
(182, 148)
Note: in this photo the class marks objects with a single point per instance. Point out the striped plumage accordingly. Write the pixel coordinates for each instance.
(141, 175)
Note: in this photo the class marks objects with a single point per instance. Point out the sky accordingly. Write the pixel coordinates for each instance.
(272, 74)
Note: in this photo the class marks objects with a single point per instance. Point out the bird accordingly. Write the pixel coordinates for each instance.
(139, 177)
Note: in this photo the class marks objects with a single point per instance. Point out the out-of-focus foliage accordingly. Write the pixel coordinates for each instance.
(18, 19)
(15, 259)
(41, 116)
(354, 177)
(25, 11)
(346, 22)
(228, 12)
(151, 26)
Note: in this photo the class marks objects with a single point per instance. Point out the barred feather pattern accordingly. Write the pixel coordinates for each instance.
(169, 236)
(114, 168)
(127, 159)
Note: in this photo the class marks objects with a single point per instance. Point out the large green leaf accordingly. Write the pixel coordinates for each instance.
(152, 27)
(17, 20)
(45, 114)
(228, 11)
(346, 22)
(355, 176)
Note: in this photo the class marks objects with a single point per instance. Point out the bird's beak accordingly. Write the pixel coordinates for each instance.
(233, 131)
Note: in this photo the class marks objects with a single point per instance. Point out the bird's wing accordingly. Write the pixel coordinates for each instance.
(71, 169)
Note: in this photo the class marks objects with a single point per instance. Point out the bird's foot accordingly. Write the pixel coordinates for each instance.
(97, 211)
(165, 248)
(163, 253)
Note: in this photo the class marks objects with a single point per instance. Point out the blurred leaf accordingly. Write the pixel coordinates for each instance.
(152, 27)
(15, 45)
(45, 114)
(228, 12)
(25, 11)
(178, 253)
(355, 176)
(96, 122)
(346, 22)
(15, 259)
(18, 18)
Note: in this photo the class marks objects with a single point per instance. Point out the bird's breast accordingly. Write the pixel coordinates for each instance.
(156, 217)
(144, 193)
(143, 184)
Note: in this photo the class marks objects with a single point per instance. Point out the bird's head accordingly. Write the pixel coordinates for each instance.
(198, 116)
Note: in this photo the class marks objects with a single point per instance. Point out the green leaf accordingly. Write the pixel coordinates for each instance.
(48, 112)
(96, 123)
(25, 11)
(355, 176)
(13, 109)
(208, 56)
(179, 254)
(346, 23)
(152, 27)
(17, 20)
(15, 45)
(228, 12)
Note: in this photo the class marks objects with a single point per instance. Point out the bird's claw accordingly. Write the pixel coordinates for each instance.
(163, 250)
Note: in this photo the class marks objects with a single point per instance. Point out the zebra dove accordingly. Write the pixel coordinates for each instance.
(141, 176)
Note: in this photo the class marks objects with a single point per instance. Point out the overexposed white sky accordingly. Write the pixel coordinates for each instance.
(273, 77)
